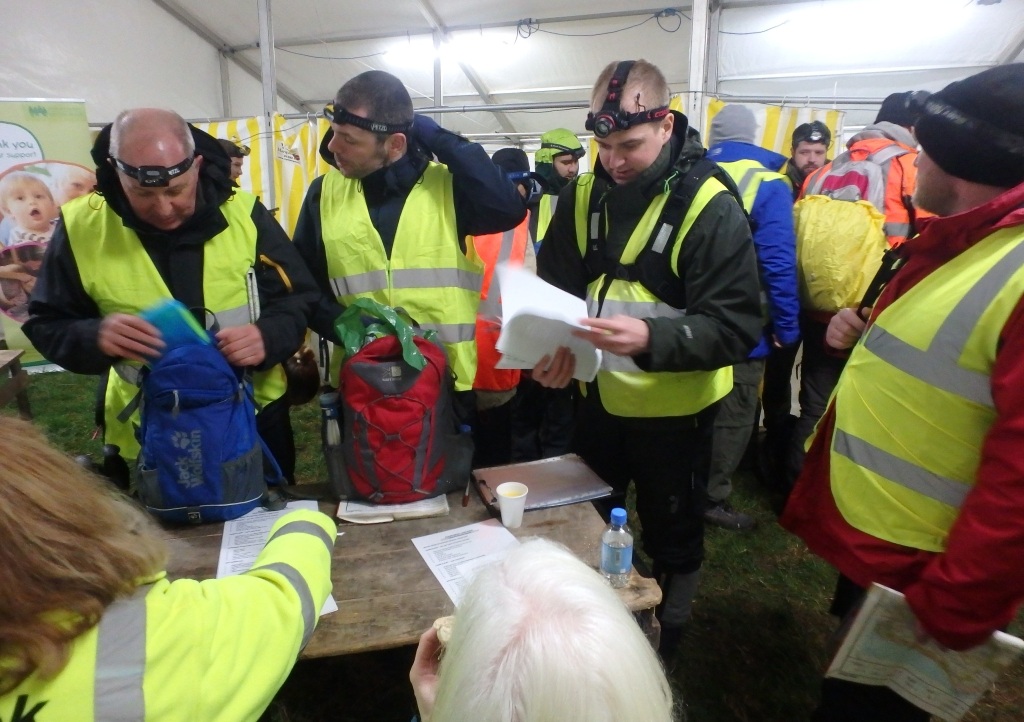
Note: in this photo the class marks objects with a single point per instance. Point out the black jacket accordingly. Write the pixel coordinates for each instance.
(64, 321)
(717, 268)
(485, 202)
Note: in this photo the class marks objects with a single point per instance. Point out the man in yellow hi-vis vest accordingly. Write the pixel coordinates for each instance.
(667, 267)
(166, 221)
(914, 478)
(391, 225)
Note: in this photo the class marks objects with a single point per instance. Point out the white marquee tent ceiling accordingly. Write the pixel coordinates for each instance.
(830, 53)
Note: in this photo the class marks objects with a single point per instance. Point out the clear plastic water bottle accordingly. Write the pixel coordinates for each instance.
(617, 550)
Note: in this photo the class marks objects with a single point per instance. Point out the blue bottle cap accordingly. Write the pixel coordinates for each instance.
(618, 516)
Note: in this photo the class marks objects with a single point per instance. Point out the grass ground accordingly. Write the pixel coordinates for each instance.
(753, 652)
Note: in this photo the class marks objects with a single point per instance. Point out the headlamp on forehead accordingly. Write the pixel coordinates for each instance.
(340, 116)
(560, 149)
(611, 118)
(153, 176)
(813, 132)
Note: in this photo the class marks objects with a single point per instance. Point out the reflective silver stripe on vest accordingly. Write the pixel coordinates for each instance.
(309, 612)
(230, 317)
(360, 283)
(127, 373)
(635, 309)
(938, 365)
(452, 332)
(900, 471)
(748, 178)
(121, 660)
(436, 278)
(305, 527)
(490, 307)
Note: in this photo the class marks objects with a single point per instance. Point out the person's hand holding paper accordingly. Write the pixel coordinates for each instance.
(620, 335)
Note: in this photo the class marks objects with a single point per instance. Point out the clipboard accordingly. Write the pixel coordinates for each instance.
(552, 482)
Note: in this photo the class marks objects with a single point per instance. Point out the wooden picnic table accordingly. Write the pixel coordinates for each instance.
(385, 592)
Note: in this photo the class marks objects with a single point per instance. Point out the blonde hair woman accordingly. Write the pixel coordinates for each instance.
(91, 629)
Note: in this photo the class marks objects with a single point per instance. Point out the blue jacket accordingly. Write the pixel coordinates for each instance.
(774, 243)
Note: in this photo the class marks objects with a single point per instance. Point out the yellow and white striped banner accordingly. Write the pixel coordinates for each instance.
(776, 124)
(295, 164)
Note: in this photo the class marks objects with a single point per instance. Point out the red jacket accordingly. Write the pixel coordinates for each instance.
(973, 588)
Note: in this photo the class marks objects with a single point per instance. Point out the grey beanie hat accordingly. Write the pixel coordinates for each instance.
(733, 122)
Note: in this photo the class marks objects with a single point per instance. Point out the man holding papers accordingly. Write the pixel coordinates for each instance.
(661, 252)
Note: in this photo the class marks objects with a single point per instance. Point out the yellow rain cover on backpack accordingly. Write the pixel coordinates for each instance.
(839, 247)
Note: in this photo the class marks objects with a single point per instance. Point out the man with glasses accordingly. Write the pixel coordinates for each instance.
(166, 221)
(392, 224)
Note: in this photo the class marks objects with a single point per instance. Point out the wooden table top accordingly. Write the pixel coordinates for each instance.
(385, 592)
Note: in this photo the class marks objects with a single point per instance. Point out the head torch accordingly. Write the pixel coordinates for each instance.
(153, 176)
(560, 149)
(340, 116)
(611, 118)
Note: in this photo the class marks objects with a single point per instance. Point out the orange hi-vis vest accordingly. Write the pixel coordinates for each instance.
(900, 179)
(492, 249)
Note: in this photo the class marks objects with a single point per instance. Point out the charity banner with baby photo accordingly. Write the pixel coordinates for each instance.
(44, 163)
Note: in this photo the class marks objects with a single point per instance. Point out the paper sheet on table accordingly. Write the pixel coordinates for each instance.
(359, 512)
(881, 648)
(244, 537)
(537, 318)
(455, 555)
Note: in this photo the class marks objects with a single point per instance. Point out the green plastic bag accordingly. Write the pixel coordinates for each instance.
(365, 320)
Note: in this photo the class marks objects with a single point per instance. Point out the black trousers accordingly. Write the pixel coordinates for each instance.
(668, 459)
(274, 424)
(843, 701)
(819, 374)
(542, 420)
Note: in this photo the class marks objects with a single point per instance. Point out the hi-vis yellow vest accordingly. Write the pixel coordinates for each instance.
(914, 403)
(187, 650)
(545, 211)
(748, 175)
(427, 274)
(120, 277)
(625, 389)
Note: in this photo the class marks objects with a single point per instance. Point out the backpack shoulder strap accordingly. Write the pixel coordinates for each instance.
(653, 267)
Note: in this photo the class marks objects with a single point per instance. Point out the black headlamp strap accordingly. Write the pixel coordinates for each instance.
(562, 149)
(340, 116)
(154, 176)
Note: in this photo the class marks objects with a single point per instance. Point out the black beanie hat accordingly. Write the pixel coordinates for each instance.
(896, 109)
(974, 128)
(511, 160)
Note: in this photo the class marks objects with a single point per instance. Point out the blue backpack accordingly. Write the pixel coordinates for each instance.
(201, 457)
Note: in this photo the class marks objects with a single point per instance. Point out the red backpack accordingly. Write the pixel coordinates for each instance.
(401, 442)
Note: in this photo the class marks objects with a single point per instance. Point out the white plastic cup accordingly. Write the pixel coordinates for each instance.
(512, 502)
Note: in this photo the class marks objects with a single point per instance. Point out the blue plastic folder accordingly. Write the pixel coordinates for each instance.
(176, 324)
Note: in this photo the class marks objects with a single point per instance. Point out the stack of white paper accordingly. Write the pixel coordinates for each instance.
(537, 318)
